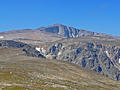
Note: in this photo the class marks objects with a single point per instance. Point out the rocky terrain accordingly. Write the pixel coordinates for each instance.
(59, 57)
(29, 50)
(95, 53)
(21, 72)
(69, 32)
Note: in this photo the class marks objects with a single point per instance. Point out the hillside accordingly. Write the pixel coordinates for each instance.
(99, 54)
(29, 36)
(20, 72)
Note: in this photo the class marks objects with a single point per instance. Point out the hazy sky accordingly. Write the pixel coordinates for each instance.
(95, 15)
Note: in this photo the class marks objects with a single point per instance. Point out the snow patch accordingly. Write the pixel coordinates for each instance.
(73, 35)
(42, 50)
(38, 49)
(107, 53)
(119, 60)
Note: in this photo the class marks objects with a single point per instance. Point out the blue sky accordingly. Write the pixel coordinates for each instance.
(95, 15)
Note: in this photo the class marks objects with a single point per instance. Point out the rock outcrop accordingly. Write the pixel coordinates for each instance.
(29, 50)
(68, 32)
(98, 55)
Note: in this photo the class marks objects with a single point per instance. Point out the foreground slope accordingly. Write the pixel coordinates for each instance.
(20, 72)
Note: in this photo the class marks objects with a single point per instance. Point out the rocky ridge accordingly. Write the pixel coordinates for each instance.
(28, 50)
(47, 34)
(99, 55)
(69, 32)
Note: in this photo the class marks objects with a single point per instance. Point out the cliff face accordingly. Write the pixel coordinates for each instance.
(96, 54)
(68, 32)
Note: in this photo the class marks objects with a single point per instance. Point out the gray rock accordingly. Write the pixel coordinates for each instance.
(98, 56)
(68, 32)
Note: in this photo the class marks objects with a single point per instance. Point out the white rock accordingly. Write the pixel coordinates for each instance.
(11, 72)
(43, 50)
(59, 53)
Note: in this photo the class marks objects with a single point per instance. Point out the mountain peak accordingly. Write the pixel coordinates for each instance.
(67, 31)
(58, 25)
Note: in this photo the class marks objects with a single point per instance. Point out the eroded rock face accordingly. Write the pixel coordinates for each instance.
(97, 56)
(10, 43)
(28, 49)
(68, 32)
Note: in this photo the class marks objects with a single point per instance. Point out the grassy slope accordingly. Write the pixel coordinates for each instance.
(19, 72)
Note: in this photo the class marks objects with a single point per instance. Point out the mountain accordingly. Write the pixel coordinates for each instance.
(85, 52)
(68, 32)
(95, 51)
(47, 34)
(20, 72)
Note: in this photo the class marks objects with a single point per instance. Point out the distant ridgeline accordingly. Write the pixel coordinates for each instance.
(28, 49)
(47, 34)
